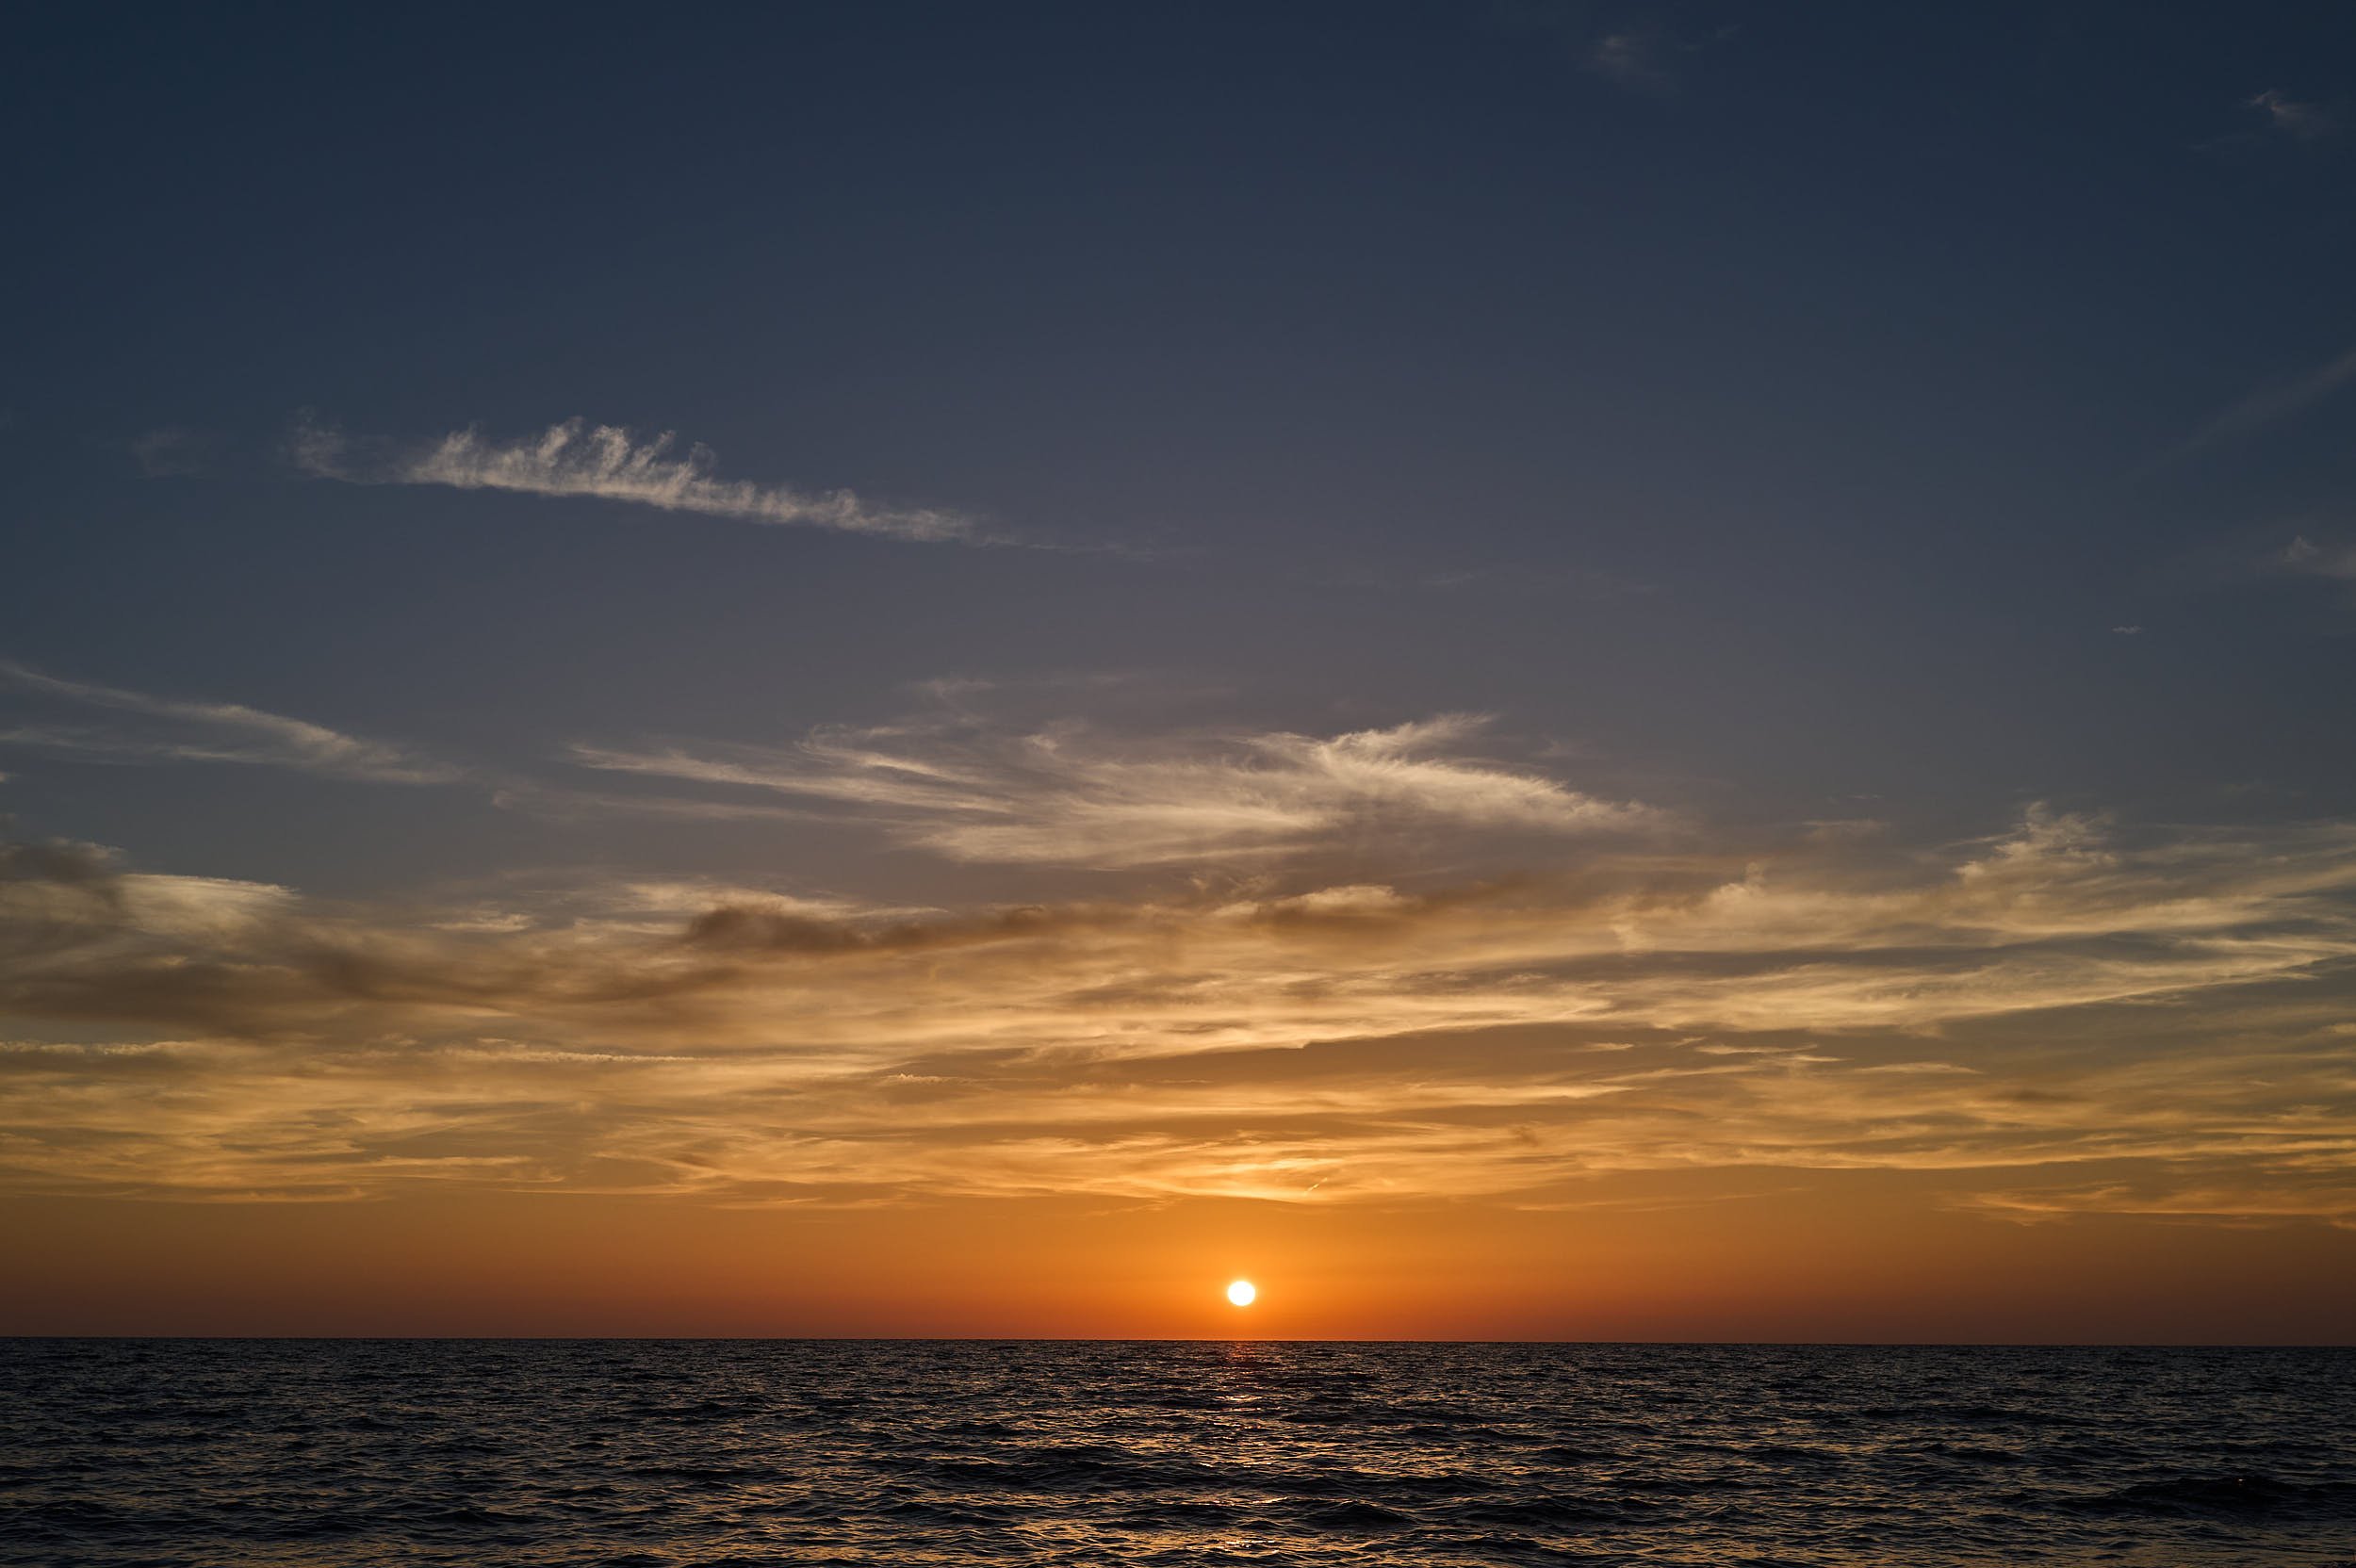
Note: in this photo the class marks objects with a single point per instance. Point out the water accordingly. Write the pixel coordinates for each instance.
(663, 1453)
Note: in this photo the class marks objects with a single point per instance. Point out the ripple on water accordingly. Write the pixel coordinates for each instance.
(339, 1454)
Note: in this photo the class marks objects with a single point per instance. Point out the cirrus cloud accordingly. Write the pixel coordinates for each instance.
(574, 458)
(1072, 795)
(168, 729)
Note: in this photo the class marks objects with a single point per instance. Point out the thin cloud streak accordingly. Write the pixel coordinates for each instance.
(2272, 404)
(605, 463)
(211, 732)
(1070, 796)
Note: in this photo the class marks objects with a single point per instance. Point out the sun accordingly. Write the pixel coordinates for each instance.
(1242, 1293)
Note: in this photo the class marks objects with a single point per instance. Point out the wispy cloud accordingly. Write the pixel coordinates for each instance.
(2303, 122)
(1627, 55)
(1070, 796)
(1637, 47)
(184, 731)
(2052, 1015)
(170, 452)
(2227, 1201)
(2307, 558)
(607, 463)
(2273, 403)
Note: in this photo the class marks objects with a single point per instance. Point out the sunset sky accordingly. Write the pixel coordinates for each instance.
(1526, 670)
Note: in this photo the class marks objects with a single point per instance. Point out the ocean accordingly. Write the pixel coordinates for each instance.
(663, 1453)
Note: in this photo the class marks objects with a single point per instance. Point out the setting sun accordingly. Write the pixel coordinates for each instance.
(1653, 691)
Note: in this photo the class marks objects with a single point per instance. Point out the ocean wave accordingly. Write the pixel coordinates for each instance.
(388, 1454)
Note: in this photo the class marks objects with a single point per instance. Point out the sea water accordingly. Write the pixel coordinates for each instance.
(307, 1454)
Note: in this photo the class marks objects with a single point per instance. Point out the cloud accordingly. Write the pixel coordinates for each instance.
(605, 463)
(1636, 48)
(2272, 404)
(170, 452)
(2305, 557)
(1070, 796)
(1627, 56)
(2057, 1012)
(559, 803)
(1647, 56)
(2302, 122)
(208, 732)
(2333, 1202)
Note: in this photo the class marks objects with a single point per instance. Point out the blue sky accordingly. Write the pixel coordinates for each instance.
(1711, 388)
(1126, 454)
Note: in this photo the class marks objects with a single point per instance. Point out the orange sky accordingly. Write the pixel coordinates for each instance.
(1841, 1260)
(2062, 1082)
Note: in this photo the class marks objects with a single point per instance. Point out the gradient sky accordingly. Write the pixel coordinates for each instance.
(1529, 670)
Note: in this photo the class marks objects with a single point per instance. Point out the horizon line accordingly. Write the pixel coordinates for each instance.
(1113, 1339)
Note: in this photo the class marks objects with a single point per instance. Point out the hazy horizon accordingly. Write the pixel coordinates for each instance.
(1214, 1339)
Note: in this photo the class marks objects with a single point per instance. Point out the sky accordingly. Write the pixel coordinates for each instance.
(1526, 670)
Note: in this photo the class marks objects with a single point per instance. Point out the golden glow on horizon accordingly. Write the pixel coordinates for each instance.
(1835, 1084)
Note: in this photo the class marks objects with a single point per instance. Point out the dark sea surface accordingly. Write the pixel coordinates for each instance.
(658, 1453)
